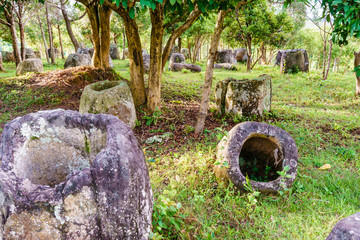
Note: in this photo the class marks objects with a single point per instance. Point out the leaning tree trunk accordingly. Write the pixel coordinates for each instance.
(51, 40)
(329, 61)
(205, 98)
(60, 41)
(68, 26)
(155, 72)
(14, 39)
(44, 39)
(357, 63)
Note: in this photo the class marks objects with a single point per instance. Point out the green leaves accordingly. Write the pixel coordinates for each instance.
(357, 70)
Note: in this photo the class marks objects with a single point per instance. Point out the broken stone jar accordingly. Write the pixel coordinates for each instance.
(70, 176)
(265, 154)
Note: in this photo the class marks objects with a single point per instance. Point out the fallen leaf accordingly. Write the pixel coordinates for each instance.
(325, 167)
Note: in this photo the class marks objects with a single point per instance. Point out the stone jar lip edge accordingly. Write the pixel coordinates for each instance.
(86, 171)
(235, 150)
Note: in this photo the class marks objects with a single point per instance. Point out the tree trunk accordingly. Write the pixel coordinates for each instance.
(51, 41)
(105, 14)
(124, 43)
(14, 41)
(22, 38)
(329, 61)
(44, 39)
(177, 33)
(324, 51)
(93, 14)
(196, 48)
(357, 63)
(1, 64)
(68, 26)
(179, 44)
(338, 59)
(60, 41)
(205, 98)
(155, 72)
(263, 54)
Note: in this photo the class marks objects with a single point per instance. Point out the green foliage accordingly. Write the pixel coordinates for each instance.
(346, 16)
(153, 118)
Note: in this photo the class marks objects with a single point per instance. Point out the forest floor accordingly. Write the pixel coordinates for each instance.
(322, 116)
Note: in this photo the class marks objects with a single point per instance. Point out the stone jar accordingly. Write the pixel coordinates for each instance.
(30, 65)
(259, 151)
(244, 97)
(111, 97)
(346, 229)
(70, 176)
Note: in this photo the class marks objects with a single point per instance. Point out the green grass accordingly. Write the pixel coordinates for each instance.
(321, 116)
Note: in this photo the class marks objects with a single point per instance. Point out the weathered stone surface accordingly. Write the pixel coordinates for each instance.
(278, 57)
(144, 52)
(70, 176)
(56, 51)
(253, 145)
(111, 97)
(346, 229)
(29, 53)
(227, 66)
(174, 49)
(146, 62)
(176, 58)
(8, 56)
(240, 55)
(76, 60)
(114, 51)
(81, 50)
(294, 58)
(185, 52)
(37, 54)
(29, 65)
(91, 52)
(176, 67)
(244, 97)
(225, 56)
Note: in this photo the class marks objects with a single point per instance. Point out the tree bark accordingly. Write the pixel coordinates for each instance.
(68, 26)
(324, 51)
(357, 63)
(93, 14)
(22, 37)
(205, 98)
(179, 44)
(60, 41)
(249, 53)
(193, 16)
(44, 39)
(155, 72)
(329, 61)
(263, 54)
(51, 41)
(124, 43)
(105, 14)
(14, 41)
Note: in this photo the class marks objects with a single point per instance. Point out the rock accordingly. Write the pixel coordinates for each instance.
(240, 55)
(111, 97)
(114, 51)
(259, 151)
(76, 60)
(346, 229)
(278, 57)
(56, 51)
(176, 67)
(244, 97)
(174, 49)
(294, 60)
(91, 52)
(111, 62)
(159, 138)
(227, 66)
(225, 56)
(64, 175)
(8, 56)
(144, 52)
(29, 53)
(176, 58)
(146, 62)
(29, 65)
(37, 54)
(185, 52)
(81, 50)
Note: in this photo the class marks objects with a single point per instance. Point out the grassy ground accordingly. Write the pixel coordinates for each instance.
(323, 118)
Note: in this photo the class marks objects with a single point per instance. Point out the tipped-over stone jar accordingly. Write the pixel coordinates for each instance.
(70, 176)
(266, 154)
